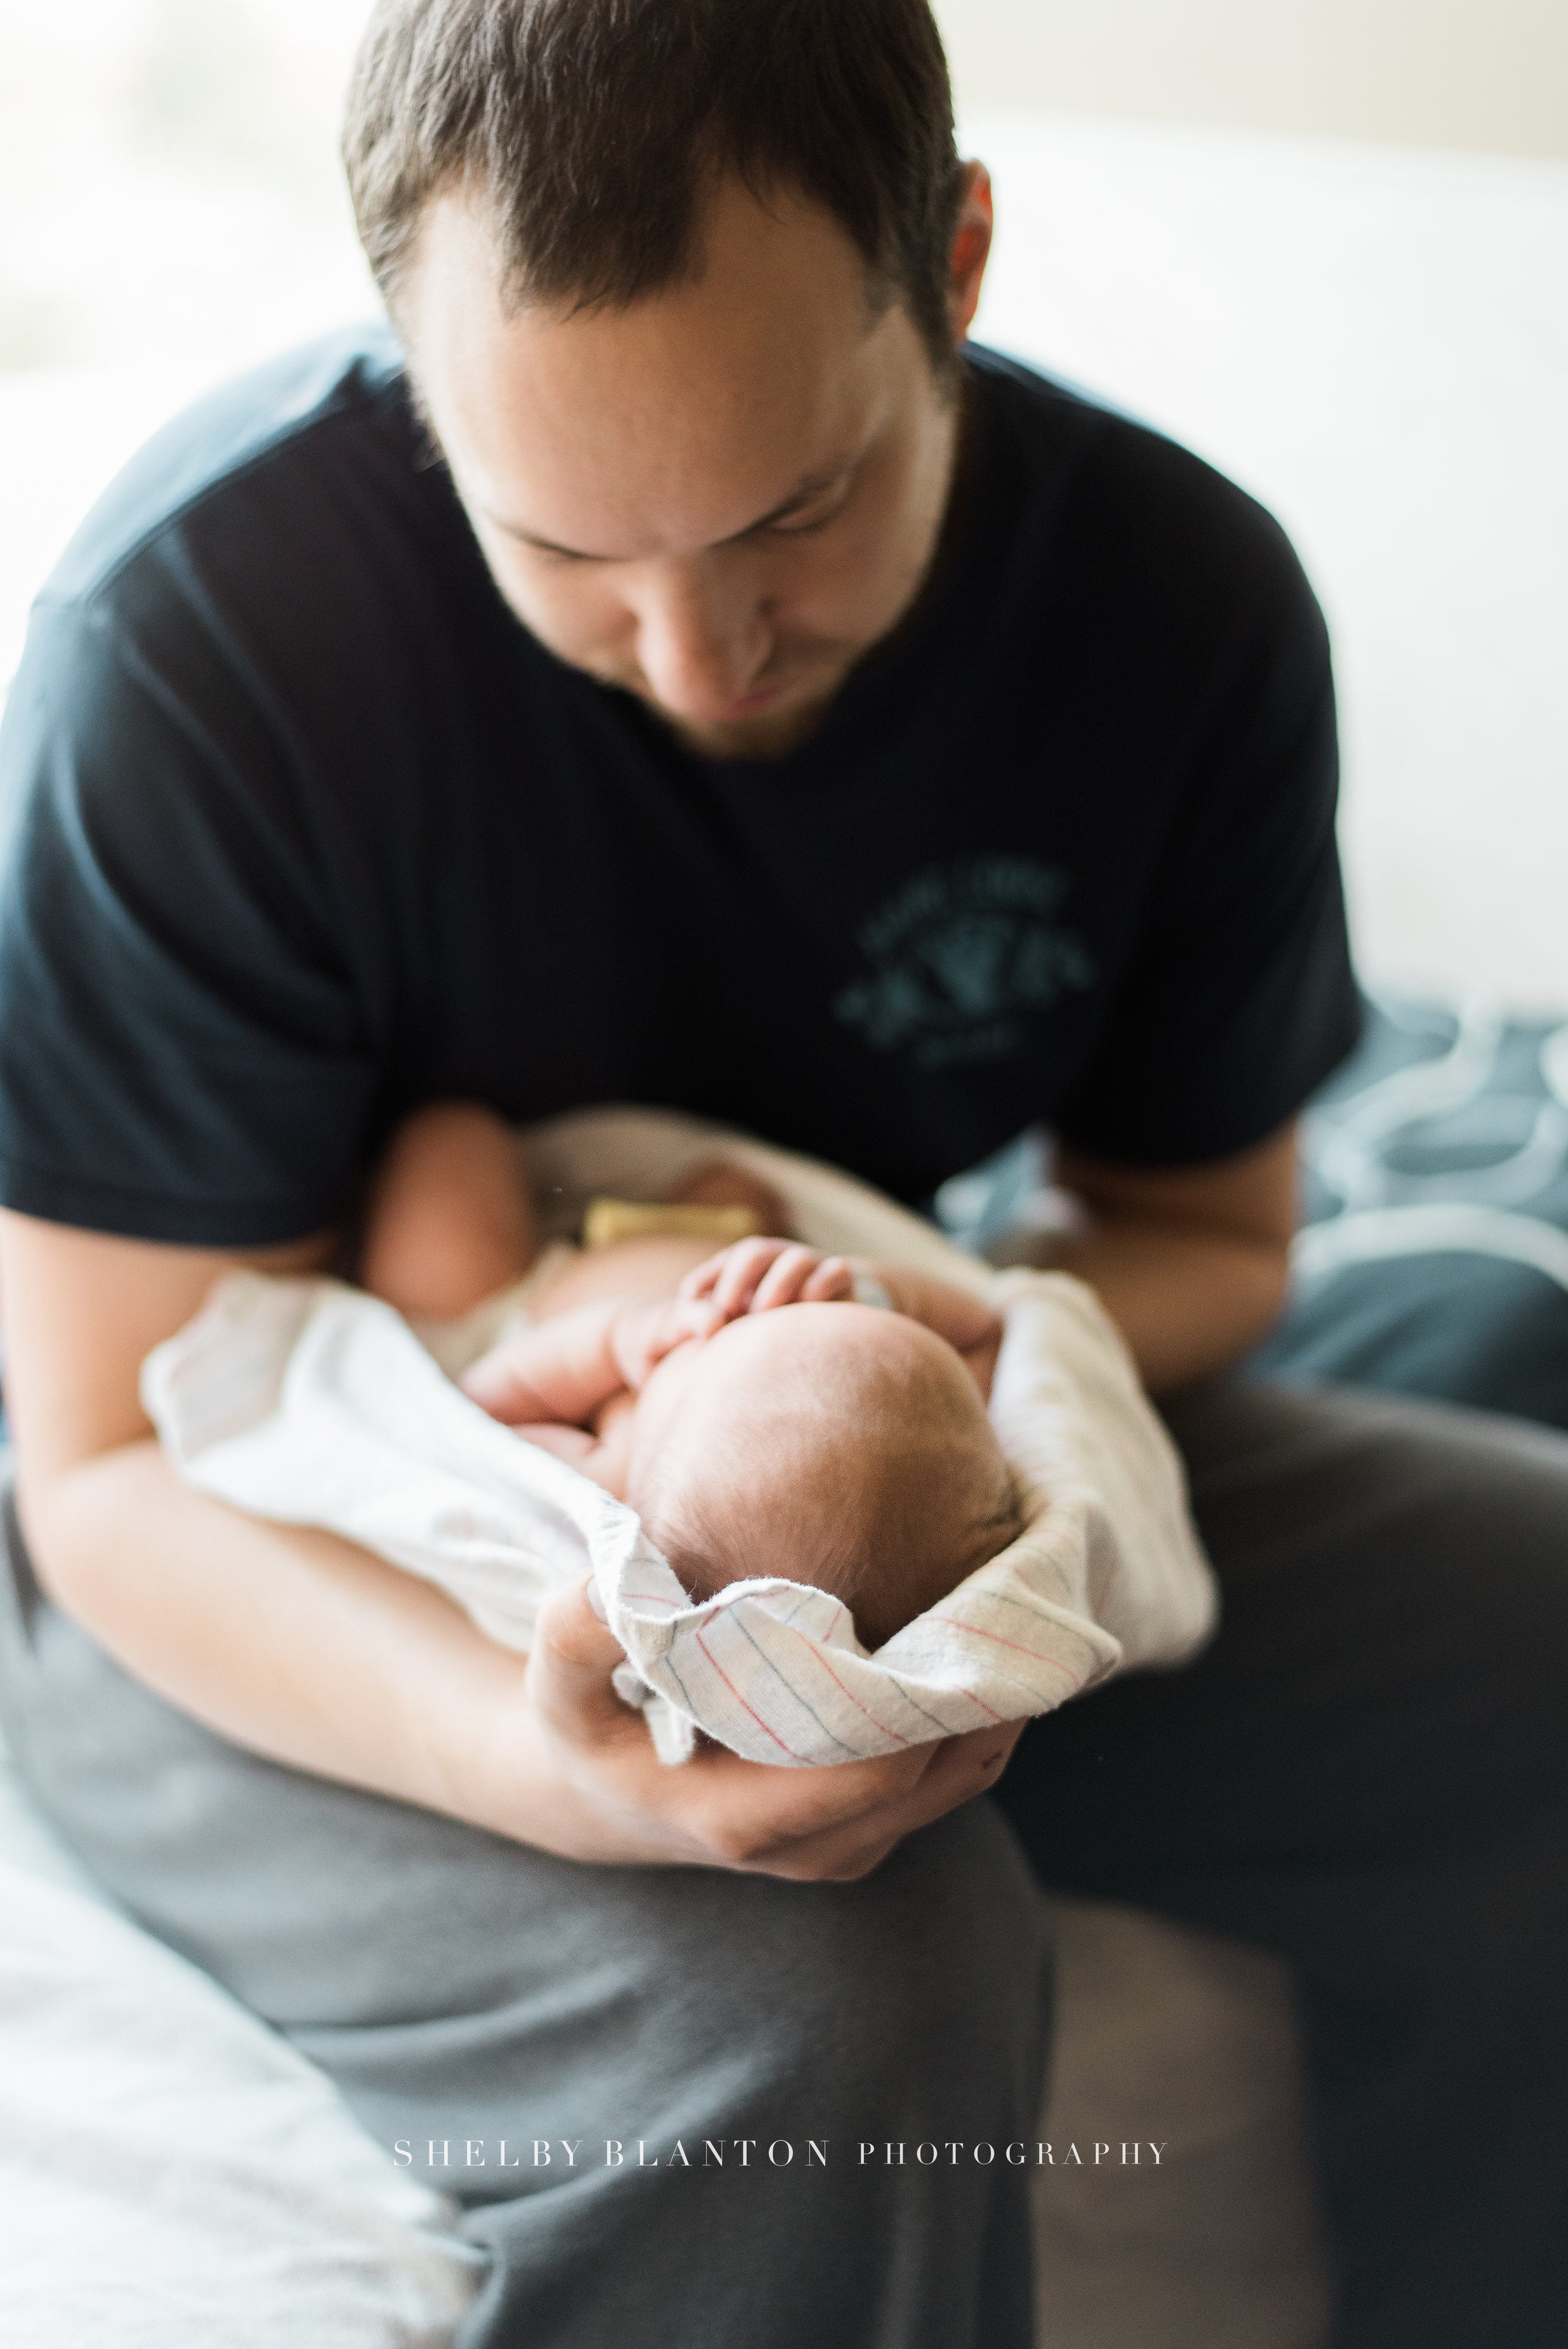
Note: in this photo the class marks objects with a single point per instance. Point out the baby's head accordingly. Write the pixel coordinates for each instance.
(832, 1445)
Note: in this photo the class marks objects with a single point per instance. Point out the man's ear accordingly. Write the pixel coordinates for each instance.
(971, 249)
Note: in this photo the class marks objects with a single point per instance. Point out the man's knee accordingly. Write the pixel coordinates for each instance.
(927, 1985)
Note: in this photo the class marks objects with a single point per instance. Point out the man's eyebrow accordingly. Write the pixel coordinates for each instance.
(805, 493)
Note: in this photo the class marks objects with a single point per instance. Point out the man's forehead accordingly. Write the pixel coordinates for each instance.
(810, 490)
(690, 415)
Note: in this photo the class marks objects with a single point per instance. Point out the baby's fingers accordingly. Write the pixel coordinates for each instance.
(732, 1273)
(700, 1280)
(832, 1281)
(754, 1276)
(746, 1266)
(785, 1281)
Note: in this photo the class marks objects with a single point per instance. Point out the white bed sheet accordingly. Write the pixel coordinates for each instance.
(172, 2174)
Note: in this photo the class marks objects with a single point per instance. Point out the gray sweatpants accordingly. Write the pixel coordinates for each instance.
(1368, 1771)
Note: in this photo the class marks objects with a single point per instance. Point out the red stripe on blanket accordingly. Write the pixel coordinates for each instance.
(740, 1701)
(879, 1726)
(1016, 1645)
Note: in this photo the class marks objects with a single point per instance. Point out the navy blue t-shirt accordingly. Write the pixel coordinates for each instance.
(305, 828)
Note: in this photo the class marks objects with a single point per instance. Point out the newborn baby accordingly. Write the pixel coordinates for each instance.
(760, 1417)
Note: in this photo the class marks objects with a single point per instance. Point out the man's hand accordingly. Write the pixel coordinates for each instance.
(611, 1799)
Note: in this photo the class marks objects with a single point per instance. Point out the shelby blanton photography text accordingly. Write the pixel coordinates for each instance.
(777, 2154)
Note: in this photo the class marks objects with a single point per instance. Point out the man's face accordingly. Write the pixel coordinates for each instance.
(718, 498)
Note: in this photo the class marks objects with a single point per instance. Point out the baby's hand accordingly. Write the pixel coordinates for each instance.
(563, 1371)
(753, 1276)
(642, 1335)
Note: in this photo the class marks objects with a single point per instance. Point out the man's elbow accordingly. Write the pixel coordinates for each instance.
(1261, 1289)
(73, 1521)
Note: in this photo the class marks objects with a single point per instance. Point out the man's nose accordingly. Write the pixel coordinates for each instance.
(704, 636)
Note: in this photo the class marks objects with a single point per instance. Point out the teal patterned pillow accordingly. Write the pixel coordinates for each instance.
(1433, 1256)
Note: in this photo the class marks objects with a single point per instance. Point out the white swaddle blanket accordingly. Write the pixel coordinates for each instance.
(309, 1403)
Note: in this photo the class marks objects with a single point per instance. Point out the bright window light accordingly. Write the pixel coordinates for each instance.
(170, 209)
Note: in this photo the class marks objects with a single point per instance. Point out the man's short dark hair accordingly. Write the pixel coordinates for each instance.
(595, 128)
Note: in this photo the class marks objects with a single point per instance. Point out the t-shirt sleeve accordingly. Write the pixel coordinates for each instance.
(183, 1052)
(1241, 997)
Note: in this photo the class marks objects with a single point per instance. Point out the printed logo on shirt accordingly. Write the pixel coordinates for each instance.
(961, 959)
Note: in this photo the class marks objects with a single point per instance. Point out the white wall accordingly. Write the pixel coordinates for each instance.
(1373, 340)
(1489, 73)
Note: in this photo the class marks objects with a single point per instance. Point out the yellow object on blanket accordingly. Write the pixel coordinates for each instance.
(608, 1220)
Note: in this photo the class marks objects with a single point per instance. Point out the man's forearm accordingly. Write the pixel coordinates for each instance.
(286, 1639)
(299, 1646)
(1188, 1303)
(1191, 1262)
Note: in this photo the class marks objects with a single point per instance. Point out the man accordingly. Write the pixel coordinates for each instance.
(693, 681)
